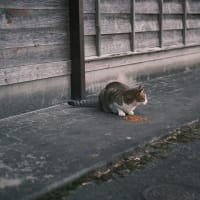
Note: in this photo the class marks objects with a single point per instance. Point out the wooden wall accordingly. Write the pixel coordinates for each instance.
(119, 26)
(34, 40)
(34, 54)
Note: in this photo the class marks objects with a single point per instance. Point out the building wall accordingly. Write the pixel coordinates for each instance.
(119, 26)
(130, 38)
(34, 54)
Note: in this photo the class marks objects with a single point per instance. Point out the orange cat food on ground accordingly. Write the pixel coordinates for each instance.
(135, 118)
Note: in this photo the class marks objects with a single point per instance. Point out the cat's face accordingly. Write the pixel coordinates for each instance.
(135, 95)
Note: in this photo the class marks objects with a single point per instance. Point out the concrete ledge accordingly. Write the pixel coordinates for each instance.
(127, 68)
(25, 97)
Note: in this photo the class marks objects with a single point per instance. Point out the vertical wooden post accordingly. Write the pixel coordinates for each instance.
(184, 22)
(98, 28)
(161, 22)
(133, 25)
(77, 49)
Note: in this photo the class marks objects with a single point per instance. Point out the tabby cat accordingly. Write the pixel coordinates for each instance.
(116, 98)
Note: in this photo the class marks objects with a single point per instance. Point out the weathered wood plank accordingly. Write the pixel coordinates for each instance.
(110, 24)
(132, 39)
(23, 18)
(161, 23)
(172, 38)
(193, 6)
(33, 55)
(89, 24)
(90, 46)
(172, 22)
(113, 23)
(147, 6)
(98, 27)
(146, 23)
(147, 40)
(112, 44)
(184, 22)
(33, 37)
(89, 6)
(172, 6)
(193, 21)
(34, 72)
(115, 6)
(193, 36)
(32, 4)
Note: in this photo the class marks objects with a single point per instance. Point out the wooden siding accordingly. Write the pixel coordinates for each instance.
(34, 40)
(115, 43)
(147, 40)
(32, 4)
(178, 23)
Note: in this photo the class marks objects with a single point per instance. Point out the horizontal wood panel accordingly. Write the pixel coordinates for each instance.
(90, 46)
(33, 37)
(89, 24)
(173, 6)
(147, 40)
(146, 6)
(171, 22)
(33, 72)
(30, 4)
(172, 38)
(115, 6)
(112, 44)
(146, 23)
(113, 23)
(116, 22)
(193, 6)
(193, 36)
(193, 21)
(89, 6)
(23, 18)
(33, 55)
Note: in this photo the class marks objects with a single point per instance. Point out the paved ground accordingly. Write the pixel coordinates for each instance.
(181, 169)
(46, 149)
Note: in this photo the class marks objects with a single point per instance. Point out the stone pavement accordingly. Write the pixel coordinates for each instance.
(43, 150)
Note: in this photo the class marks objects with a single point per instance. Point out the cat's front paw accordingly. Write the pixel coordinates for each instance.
(121, 113)
(130, 113)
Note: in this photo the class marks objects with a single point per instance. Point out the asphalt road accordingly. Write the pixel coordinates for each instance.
(176, 177)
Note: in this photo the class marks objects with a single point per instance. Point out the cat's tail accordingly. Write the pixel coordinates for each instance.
(84, 103)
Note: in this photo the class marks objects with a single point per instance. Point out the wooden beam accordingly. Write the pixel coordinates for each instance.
(98, 28)
(133, 25)
(161, 22)
(184, 22)
(77, 49)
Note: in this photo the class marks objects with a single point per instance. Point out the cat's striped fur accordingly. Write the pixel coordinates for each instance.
(116, 98)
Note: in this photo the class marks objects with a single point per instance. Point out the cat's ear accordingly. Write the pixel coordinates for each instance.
(140, 89)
